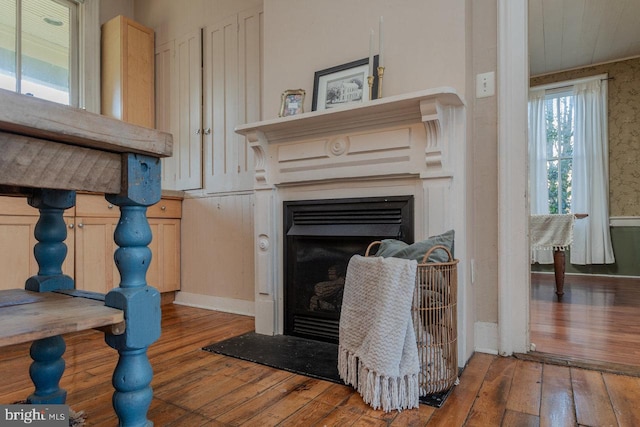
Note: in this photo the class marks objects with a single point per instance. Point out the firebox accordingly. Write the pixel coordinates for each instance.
(320, 238)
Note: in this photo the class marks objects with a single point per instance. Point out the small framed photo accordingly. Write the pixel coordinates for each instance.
(292, 102)
(344, 84)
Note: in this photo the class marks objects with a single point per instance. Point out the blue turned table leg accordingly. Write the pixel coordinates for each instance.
(140, 302)
(46, 370)
(50, 232)
(50, 251)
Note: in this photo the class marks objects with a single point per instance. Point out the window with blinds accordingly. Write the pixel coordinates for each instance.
(39, 49)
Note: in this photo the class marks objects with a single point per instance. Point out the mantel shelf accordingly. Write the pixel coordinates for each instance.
(412, 107)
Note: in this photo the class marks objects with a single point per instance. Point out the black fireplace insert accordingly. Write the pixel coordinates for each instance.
(320, 238)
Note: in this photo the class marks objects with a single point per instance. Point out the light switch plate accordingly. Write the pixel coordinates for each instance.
(485, 84)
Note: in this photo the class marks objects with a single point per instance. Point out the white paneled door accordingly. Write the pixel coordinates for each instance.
(232, 69)
(208, 83)
(179, 109)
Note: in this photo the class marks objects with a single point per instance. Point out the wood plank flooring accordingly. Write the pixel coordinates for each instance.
(196, 388)
(598, 318)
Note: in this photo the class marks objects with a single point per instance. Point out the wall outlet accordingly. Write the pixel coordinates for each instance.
(485, 84)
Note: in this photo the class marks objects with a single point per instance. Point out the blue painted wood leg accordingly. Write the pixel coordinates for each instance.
(50, 232)
(50, 251)
(140, 302)
(46, 370)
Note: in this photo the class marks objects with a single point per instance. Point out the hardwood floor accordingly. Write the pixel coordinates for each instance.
(598, 318)
(196, 388)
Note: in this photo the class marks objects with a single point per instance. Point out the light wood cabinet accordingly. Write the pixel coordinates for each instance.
(95, 269)
(17, 224)
(90, 228)
(17, 262)
(164, 271)
(127, 88)
(96, 220)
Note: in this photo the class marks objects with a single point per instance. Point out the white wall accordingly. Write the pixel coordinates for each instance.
(424, 43)
(172, 18)
(112, 8)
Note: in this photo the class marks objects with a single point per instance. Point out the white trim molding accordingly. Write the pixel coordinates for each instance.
(486, 337)
(624, 221)
(513, 229)
(89, 55)
(226, 305)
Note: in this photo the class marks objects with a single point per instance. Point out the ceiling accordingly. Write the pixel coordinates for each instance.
(565, 34)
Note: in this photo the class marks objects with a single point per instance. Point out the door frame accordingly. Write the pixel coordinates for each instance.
(513, 225)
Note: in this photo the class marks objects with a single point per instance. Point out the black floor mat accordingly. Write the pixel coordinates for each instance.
(302, 356)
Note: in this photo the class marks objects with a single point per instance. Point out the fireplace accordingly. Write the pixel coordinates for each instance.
(409, 144)
(320, 238)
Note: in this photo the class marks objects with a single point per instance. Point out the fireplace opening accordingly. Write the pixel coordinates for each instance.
(320, 238)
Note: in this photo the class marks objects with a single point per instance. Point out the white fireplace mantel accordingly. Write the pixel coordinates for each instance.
(410, 144)
(341, 138)
(422, 106)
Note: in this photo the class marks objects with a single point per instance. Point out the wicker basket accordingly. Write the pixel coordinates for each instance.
(434, 313)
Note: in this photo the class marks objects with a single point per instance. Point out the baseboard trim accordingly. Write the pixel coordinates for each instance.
(227, 305)
(486, 337)
(613, 276)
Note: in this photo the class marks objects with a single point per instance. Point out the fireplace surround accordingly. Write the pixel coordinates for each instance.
(406, 145)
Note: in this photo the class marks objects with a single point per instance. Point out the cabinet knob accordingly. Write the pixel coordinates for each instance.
(70, 225)
(198, 131)
(110, 206)
(80, 225)
(163, 208)
(207, 131)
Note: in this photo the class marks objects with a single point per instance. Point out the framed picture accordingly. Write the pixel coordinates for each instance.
(343, 84)
(292, 102)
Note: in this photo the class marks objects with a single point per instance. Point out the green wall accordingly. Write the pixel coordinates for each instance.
(626, 248)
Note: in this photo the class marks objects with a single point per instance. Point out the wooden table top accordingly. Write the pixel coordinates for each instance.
(27, 316)
(38, 118)
(54, 146)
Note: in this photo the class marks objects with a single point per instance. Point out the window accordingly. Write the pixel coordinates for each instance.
(39, 48)
(559, 118)
(569, 160)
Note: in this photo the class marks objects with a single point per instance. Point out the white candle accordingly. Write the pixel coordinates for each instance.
(381, 41)
(371, 53)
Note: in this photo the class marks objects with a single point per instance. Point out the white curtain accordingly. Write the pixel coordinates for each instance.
(590, 186)
(538, 190)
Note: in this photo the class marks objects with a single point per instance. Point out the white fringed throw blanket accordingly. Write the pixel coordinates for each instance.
(377, 352)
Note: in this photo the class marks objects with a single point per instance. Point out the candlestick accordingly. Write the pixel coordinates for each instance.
(370, 81)
(371, 53)
(381, 43)
(380, 74)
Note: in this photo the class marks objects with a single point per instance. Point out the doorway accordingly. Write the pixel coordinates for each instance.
(596, 319)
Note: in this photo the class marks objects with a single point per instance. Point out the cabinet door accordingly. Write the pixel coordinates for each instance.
(95, 268)
(232, 70)
(179, 109)
(127, 78)
(17, 262)
(164, 270)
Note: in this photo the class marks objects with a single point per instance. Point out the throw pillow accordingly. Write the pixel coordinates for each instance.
(398, 249)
